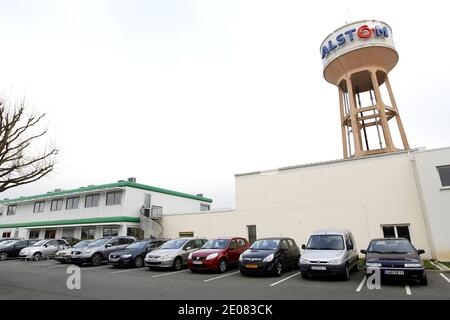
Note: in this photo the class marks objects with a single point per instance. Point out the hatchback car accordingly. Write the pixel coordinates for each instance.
(134, 254)
(269, 256)
(174, 253)
(396, 259)
(218, 254)
(63, 256)
(43, 249)
(11, 249)
(329, 252)
(99, 250)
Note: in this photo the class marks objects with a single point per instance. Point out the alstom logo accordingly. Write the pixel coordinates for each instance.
(364, 32)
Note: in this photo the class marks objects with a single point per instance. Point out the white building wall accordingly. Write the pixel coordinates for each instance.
(435, 199)
(360, 195)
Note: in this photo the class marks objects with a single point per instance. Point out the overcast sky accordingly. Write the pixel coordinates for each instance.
(184, 94)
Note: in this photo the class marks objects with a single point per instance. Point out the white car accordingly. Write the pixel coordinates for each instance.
(43, 249)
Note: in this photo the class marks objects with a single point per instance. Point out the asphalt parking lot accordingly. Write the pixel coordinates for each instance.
(47, 280)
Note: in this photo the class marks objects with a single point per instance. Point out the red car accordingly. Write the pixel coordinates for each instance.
(218, 254)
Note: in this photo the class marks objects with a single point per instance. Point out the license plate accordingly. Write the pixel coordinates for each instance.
(251, 266)
(394, 272)
(197, 262)
(319, 268)
(113, 259)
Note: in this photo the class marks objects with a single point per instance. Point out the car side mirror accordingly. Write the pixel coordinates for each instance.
(364, 251)
(303, 247)
(45, 245)
(108, 245)
(350, 248)
(421, 251)
(188, 248)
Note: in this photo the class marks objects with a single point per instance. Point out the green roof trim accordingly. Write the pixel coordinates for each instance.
(107, 186)
(69, 222)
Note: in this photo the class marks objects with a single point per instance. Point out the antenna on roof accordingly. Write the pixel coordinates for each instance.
(349, 16)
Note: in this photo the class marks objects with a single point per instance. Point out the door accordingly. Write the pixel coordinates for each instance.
(111, 246)
(294, 251)
(19, 245)
(233, 252)
(50, 248)
(151, 246)
(187, 249)
(50, 234)
(284, 253)
(251, 231)
(351, 255)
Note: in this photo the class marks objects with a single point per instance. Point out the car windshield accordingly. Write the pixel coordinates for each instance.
(269, 244)
(138, 244)
(399, 246)
(173, 244)
(99, 242)
(40, 243)
(5, 243)
(82, 244)
(216, 244)
(10, 243)
(325, 242)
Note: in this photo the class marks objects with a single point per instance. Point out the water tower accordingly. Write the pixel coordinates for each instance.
(357, 58)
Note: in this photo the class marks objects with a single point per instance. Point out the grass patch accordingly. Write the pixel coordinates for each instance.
(447, 264)
(428, 265)
(361, 263)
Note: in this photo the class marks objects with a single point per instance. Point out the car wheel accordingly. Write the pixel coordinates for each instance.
(424, 280)
(278, 269)
(346, 275)
(3, 256)
(177, 264)
(139, 262)
(222, 266)
(37, 256)
(96, 259)
(243, 273)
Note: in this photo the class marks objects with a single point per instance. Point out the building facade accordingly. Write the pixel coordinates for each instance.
(122, 208)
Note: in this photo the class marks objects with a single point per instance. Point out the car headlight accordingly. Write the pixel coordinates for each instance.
(126, 256)
(167, 256)
(335, 261)
(269, 258)
(190, 256)
(413, 265)
(371, 264)
(304, 261)
(212, 256)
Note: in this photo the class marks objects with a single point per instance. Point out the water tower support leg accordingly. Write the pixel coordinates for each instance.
(343, 131)
(355, 126)
(380, 105)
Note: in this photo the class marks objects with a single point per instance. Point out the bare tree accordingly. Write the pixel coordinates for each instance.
(23, 156)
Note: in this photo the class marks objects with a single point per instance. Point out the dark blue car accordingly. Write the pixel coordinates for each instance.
(133, 255)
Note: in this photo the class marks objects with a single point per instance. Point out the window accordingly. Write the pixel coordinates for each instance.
(39, 206)
(204, 207)
(72, 203)
(251, 231)
(34, 234)
(125, 241)
(291, 243)
(110, 231)
(56, 205)
(114, 242)
(198, 243)
(147, 200)
(135, 232)
(284, 245)
(91, 200)
(11, 210)
(2, 209)
(233, 244)
(241, 243)
(113, 198)
(396, 231)
(50, 234)
(190, 244)
(157, 211)
(68, 233)
(444, 174)
(348, 243)
(6, 235)
(87, 233)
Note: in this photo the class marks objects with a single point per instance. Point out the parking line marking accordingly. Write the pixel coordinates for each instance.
(225, 275)
(126, 270)
(294, 275)
(363, 281)
(444, 267)
(59, 266)
(408, 289)
(169, 273)
(443, 276)
(437, 266)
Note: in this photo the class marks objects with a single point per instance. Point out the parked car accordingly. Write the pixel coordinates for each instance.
(7, 240)
(11, 249)
(329, 252)
(174, 253)
(269, 256)
(99, 250)
(134, 254)
(43, 249)
(396, 258)
(218, 254)
(63, 256)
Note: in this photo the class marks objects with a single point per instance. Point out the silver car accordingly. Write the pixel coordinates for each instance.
(43, 249)
(63, 256)
(329, 252)
(99, 250)
(174, 253)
